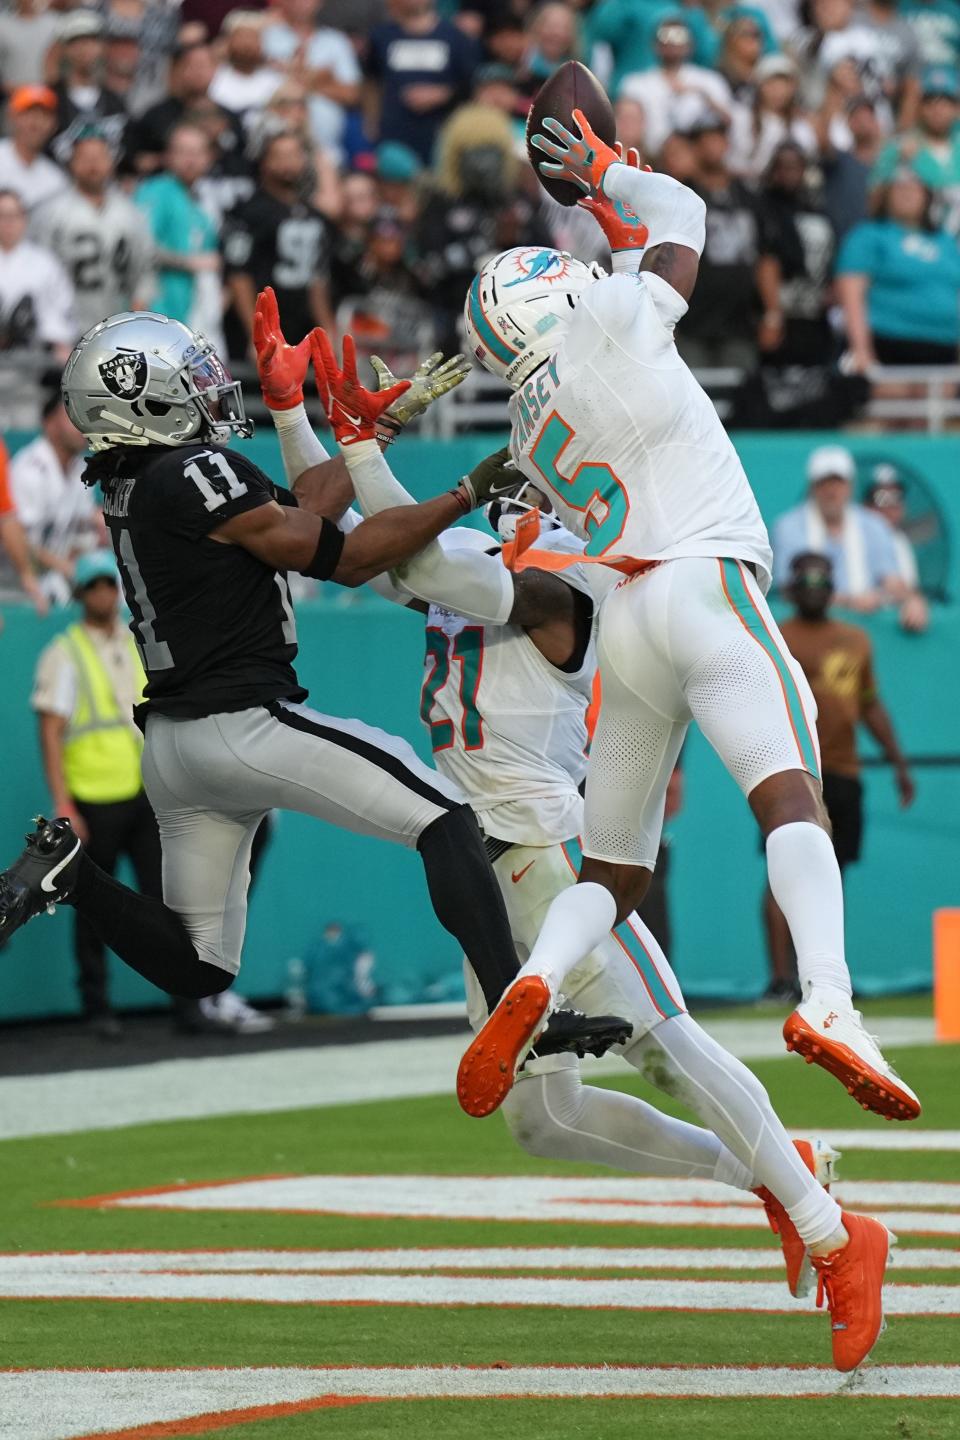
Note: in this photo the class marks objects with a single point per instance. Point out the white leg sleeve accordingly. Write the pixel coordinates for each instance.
(806, 884)
(449, 571)
(299, 446)
(560, 1118)
(731, 1101)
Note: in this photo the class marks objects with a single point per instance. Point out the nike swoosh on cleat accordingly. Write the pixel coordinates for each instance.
(46, 884)
(517, 875)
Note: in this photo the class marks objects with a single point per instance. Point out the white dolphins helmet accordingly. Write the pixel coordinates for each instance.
(517, 308)
(139, 378)
(503, 515)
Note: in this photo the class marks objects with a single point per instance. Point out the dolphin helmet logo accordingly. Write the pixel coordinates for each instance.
(546, 265)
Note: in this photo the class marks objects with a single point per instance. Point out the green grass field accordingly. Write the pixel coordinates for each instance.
(430, 1137)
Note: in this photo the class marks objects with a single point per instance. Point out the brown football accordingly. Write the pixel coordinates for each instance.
(572, 87)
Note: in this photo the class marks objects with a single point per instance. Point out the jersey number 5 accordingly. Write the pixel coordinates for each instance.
(465, 650)
(593, 488)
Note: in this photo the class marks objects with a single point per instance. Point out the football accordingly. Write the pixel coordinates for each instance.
(572, 87)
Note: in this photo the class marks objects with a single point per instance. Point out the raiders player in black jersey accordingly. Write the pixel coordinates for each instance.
(204, 540)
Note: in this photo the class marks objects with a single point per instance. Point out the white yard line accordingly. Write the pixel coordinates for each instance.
(68, 1405)
(294, 1079)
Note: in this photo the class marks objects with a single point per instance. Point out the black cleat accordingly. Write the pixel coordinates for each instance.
(570, 1031)
(43, 876)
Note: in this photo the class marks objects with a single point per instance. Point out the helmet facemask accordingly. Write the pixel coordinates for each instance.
(503, 515)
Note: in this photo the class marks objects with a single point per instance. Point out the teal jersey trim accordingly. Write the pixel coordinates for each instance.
(485, 330)
(634, 948)
(738, 595)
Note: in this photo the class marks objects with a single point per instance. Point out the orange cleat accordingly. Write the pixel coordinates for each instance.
(837, 1041)
(819, 1159)
(490, 1063)
(852, 1281)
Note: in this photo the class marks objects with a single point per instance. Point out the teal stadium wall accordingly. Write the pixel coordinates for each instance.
(362, 657)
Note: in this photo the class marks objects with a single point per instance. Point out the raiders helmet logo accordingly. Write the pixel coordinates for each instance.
(125, 374)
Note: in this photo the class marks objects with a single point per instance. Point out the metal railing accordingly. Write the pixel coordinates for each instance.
(914, 397)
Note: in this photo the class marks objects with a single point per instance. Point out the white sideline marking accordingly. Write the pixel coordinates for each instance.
(331, 1262)
(67, 1405)
(313, 1078)
(142, 1278)
(633, 1200)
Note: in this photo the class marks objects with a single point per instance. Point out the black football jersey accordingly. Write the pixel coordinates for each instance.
(214, 625)
(286, 246)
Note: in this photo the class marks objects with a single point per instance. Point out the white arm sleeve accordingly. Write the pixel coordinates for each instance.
(451, 571)
(671, 211)
(299, 446)
(383, 585)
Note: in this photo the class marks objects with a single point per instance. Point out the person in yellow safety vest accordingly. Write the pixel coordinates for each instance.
(87, 682)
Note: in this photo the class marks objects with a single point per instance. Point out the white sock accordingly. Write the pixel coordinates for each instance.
(578, 919)
(730, 1099)
(805, 881)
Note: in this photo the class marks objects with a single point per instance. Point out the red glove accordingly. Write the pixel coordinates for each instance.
(282, 368)
(619, 222)
(351, 409)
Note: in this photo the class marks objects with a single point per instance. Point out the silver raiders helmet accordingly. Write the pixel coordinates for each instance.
(144, 379)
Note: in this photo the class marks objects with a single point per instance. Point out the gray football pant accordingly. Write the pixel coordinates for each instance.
(211, 781)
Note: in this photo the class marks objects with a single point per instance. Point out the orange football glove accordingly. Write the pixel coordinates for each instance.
(619, 222)
(582, 159)
(350, 407)
(282, 368)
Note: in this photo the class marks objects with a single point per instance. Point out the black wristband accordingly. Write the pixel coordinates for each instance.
(326, 557)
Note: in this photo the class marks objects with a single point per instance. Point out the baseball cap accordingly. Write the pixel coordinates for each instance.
(96, 565)
(884, 479)
(673, 31)
(494, 73)
(706, 122)
(26, 96)
(828, 462)
(397, 162)
(79, 25)
(940, 80)
(811, 570)
(772, 65)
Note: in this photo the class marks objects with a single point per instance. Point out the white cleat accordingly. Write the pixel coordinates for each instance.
(836, 1040)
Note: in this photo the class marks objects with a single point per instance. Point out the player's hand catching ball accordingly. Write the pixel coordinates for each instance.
(582, 159)
(495, 478)
(432, 378)
(282, 368)
(351, 408)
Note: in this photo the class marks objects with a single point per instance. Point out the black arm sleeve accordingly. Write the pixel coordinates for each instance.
(326, 557)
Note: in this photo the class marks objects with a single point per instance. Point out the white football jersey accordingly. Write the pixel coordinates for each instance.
(506, 726)
(628, 445)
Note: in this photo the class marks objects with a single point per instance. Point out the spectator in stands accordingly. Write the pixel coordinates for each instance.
(740, 51)
(496, 84)
(887, 496)
(230, 177)
(719, 328)
(144, 32)
(398, 174)
(474, 209)
(88, 679)
(100, 237)
(82, 98)
(122, 59)
(631, 119)
(838, 662)
(349, 239)
(55, 508)
(796, 259)
(774, 118)
(24, 168)
(419, 66)
(856, 541)
(319, 58)
(36, 296)
(184, 236)
(27, 31)
(278, 238)
(17, 578)
(936, 29)
(898, 279)
(884, 54)
(288, 110)
(846, 172)
(675, 94)
(932, 149)
(552, 40)
(244, 82)
(188, 85)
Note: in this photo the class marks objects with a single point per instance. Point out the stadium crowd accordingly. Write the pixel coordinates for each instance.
(366, 158)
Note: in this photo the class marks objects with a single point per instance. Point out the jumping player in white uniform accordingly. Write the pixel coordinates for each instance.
(510, 664)
(608, 419)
